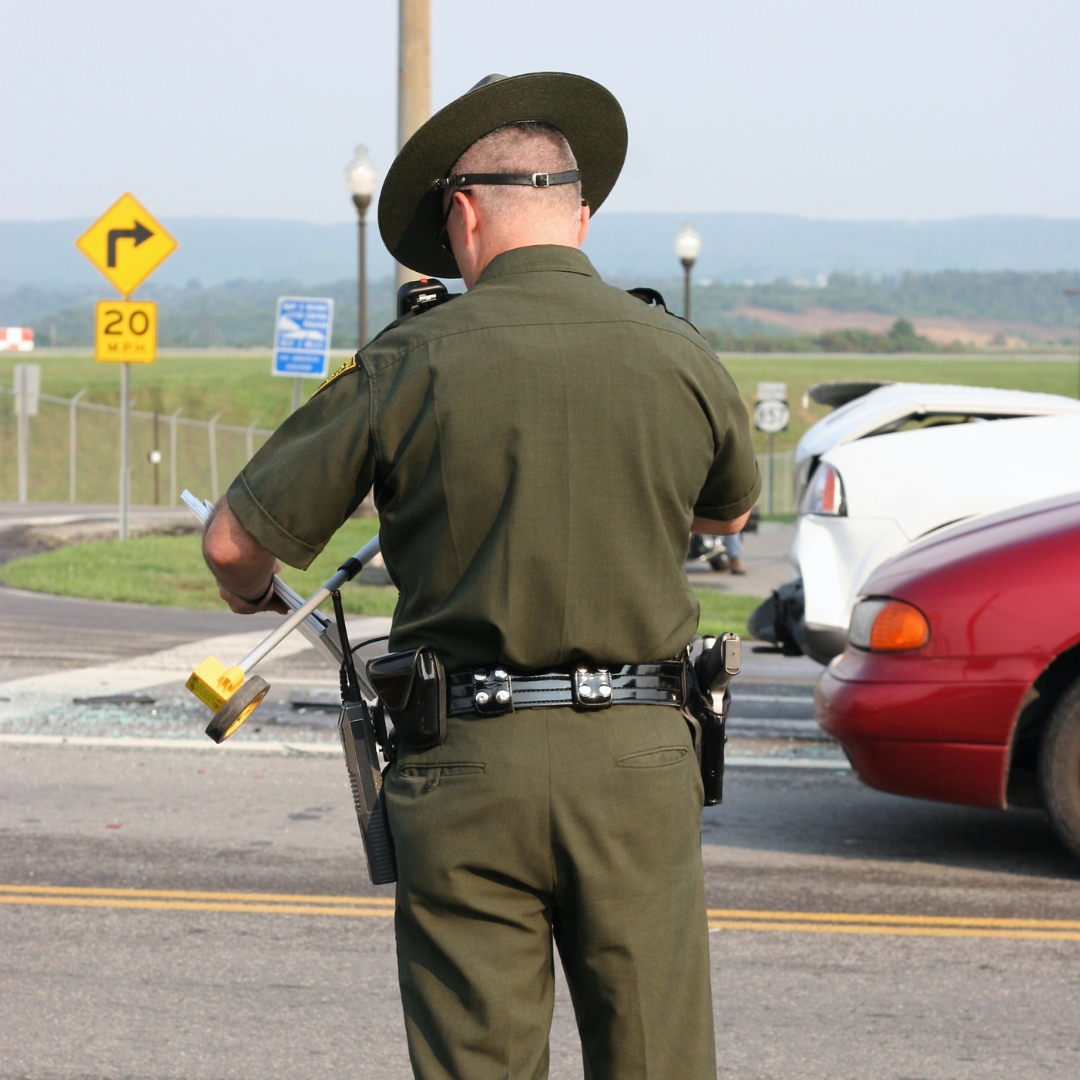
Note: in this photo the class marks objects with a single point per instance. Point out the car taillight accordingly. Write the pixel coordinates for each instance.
(825, 495)
(883, 625)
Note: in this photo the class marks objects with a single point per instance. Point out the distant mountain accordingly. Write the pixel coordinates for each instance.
(1002, 307)
(212, 251)
(735, 248)
(770, 247)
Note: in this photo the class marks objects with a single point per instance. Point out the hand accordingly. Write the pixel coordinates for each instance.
(242, 566)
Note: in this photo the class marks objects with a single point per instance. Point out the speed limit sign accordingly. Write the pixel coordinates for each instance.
(771, 416)
(125, 331)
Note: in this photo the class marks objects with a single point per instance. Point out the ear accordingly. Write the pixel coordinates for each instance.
(583, 223)
(470, 222)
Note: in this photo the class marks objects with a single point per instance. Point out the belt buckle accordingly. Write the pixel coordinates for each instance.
(591, 688)
(493, 693)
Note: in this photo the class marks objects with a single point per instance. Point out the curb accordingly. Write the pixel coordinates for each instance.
(322, 749)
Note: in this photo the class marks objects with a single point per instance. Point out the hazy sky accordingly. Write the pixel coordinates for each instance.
(834, 108)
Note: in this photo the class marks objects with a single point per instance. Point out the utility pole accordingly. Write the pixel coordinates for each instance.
(414, 80)
(1074, 292)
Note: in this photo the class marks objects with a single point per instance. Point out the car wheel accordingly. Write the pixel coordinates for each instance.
(719, 562)
(1059, 768)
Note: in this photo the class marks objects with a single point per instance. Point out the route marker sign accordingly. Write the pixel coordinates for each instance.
(125, 331)
(127, 244)
(302, 337)
(771, 416)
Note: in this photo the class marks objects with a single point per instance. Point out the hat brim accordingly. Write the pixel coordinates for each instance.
(410, 209)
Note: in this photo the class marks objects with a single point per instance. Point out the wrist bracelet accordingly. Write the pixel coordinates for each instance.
(262, 599)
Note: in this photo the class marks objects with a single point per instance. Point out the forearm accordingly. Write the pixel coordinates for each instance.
(719, 528)
(242, 567)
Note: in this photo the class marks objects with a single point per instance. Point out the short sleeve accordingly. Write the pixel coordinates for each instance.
(311, 474)
(733, 484)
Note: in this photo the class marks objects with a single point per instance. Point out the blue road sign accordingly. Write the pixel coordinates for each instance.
(302, 336)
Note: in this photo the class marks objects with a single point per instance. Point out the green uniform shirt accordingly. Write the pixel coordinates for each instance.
(538, 448)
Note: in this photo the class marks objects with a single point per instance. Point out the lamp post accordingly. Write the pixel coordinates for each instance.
(687, 247)
(1074, 292)
(361, 179)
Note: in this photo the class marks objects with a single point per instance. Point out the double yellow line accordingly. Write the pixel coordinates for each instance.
(382, 907)
(827, 922)
(353, 907)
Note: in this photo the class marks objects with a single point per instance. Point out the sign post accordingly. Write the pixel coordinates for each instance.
(27, 391)
(302, 334)
(771, 415)
(127, 244)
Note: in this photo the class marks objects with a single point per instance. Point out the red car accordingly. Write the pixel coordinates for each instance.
(961, 677)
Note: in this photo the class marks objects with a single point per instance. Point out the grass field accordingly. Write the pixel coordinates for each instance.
(238, 385)
(169, 570)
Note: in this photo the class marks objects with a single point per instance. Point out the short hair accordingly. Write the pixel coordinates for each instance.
(523, 148)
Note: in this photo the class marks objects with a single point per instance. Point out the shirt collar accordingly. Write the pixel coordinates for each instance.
(538, 259)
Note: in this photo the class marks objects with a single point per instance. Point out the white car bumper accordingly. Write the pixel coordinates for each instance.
(835, 555)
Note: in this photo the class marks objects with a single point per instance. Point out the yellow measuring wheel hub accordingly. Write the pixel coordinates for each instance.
(213, 684)
(224, 690)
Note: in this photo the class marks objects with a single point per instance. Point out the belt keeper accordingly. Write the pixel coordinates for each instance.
(493, 692)
(591, 689)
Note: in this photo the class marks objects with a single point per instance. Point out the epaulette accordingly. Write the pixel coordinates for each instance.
(654, 299)
(649, 296)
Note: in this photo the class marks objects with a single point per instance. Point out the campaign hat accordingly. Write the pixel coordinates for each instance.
(410, 204)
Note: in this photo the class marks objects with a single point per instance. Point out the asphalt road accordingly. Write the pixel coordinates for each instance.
(286, 984)
(855, 934)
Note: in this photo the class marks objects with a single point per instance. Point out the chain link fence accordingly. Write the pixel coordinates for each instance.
(72, 451)
(777, 482)
(73, 455)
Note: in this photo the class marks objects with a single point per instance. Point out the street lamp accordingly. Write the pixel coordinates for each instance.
(687, 247)
(361, 178)
(1073, 292)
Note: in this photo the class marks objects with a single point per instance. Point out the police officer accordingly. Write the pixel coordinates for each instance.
(540, 449)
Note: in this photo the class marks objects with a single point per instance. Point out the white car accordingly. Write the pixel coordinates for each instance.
(896, 464)
(867, 409)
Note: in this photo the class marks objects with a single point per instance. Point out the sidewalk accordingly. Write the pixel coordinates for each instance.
(765, 558)
(26, 528)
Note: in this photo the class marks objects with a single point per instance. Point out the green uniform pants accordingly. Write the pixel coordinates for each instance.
(552, 823)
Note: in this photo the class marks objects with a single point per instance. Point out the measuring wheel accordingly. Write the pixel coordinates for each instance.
(238, 708)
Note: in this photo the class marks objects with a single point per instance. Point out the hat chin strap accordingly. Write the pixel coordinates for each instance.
(536, 179)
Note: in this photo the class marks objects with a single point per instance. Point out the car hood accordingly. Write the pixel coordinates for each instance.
(888, 403)
(927, 479)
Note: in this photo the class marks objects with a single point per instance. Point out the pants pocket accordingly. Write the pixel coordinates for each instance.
(652, 759)
(432, 774)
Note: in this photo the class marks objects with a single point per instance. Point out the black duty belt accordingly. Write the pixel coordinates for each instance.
(493, 691)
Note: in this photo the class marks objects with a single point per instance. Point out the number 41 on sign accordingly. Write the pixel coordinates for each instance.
(126, 331)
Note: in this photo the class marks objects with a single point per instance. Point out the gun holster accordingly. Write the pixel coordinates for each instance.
(709, 675)
(412, 689)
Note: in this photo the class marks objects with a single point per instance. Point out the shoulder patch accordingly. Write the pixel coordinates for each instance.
(648, 296)
(349, 365)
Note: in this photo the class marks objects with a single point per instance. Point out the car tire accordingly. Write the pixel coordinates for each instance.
(719, 563)
(1059, 768)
